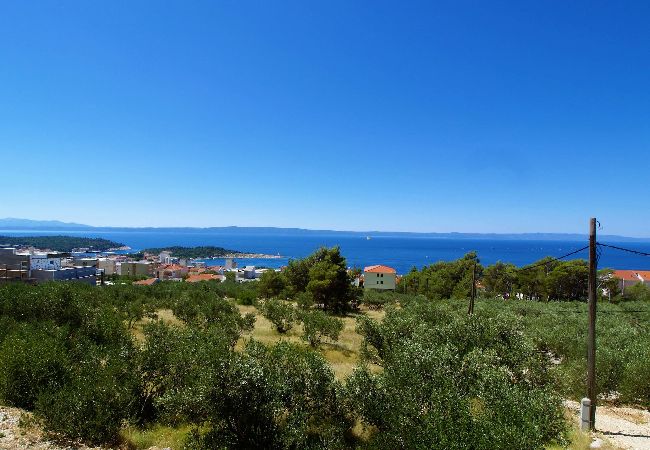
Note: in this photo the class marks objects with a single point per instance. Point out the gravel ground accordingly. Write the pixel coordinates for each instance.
(623, 427)
(15, 437)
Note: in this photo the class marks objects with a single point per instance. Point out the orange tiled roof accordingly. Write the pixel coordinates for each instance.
(379, 269)
(632, 275)
(203, 277)
(147, 282)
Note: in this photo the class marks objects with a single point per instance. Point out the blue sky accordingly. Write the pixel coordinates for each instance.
(403, 116)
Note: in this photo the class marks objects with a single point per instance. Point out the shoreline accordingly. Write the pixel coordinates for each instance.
(245, 256)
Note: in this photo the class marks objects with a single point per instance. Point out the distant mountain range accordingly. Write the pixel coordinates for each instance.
(11, 223)
(55, 225)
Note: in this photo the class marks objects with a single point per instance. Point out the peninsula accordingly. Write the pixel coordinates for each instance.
(62, 243)
(206, 252)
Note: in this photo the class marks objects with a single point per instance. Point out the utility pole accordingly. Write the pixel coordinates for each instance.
(591, 339)
(472, 294)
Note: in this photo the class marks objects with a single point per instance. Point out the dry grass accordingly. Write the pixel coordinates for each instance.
(342, 355)
(166, 315)
(158, 436)
(579, 440)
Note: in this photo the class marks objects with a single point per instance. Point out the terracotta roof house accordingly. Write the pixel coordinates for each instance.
(204, 277)
(147, 282)
(379, 277)
(627, 278)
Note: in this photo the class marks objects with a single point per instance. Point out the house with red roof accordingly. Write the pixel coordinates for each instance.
(171, 271)
(627, 278)
(147, 282)
(204, 277)
(379, 277)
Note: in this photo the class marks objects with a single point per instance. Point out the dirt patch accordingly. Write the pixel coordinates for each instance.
(623, 427)
(19, 431)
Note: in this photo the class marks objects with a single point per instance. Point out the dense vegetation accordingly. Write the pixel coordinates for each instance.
(546, 279)
(60, 243)
(193, 252)
(430, 376)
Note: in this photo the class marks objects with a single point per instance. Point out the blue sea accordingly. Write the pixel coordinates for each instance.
(402, 253)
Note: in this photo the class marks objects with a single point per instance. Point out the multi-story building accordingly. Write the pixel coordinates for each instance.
(79, 274)
(107, 265)
(136, 268)
(379, 277)
(13, 265)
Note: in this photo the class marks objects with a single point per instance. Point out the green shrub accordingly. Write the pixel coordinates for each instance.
(465, 382)
(246, 297)
(304, 300)
(635, 382)
(317, 325)
(278, 397)
(32, 360)
(281, 314)
(375, 299)
(91, 407)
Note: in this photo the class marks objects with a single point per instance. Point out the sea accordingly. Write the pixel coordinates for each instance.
(400, 252)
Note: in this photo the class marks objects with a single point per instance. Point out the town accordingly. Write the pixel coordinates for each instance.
(32, 265)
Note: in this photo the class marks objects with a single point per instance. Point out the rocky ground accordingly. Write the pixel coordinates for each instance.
(620, 427)
(617, 427)
(18, 431)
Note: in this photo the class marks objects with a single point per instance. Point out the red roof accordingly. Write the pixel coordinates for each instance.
(203, 277)
(645, 274)
(379, 269)
(632, 275)
(147, 282)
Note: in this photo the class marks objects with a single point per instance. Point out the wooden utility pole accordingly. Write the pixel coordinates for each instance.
(472, 294)
(591, 339)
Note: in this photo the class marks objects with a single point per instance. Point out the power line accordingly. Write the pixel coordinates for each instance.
(637, 252)
(544, 263)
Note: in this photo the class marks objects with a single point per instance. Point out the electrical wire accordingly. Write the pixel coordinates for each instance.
(637, 252)
(544, 263)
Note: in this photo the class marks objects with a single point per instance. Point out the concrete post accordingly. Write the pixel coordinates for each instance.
(585, 414)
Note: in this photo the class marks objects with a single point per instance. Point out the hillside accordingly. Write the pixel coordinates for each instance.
(193, 252)
(60, 243)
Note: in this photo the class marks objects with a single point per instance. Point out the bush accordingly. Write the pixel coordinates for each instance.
(305, 301)
(246, 297)
(277, 397)
(466, 382)
(317, 324)
(90, 408)
(280, 313)
(375, 299)
(637, 292)
(32, 360)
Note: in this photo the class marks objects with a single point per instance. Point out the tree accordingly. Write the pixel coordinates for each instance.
(325, 277)
(444, 280)
(499, 279)
(568, 280)
(608, 283)
(271, 284)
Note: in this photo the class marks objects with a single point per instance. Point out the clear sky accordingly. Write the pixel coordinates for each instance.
(481, 116)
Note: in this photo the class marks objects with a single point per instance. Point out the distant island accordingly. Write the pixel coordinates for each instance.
(61, 243)
(204, 252)
(54, 225)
